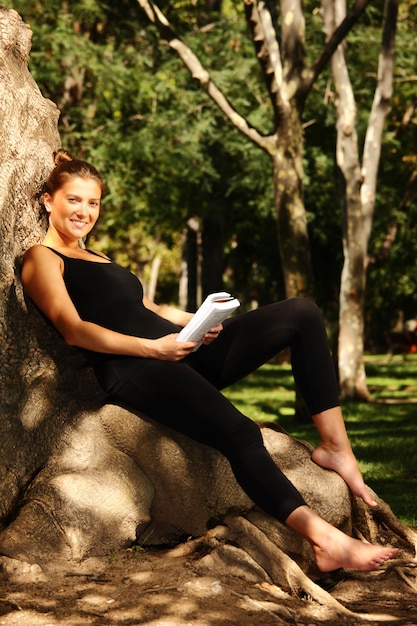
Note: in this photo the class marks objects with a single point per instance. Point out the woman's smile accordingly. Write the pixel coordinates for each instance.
(74, 208)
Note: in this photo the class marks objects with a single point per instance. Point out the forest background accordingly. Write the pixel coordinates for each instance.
(180, 179)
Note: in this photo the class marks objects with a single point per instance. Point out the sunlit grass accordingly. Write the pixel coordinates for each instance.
(383, 432)
(265, 395)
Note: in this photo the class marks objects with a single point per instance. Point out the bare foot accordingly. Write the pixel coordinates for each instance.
(345, 464)
(333, 548)
(344, 551)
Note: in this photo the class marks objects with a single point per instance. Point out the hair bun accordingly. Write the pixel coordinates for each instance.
(62, 156)
(67, 167)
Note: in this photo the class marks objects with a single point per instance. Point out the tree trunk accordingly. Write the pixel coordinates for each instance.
(358, 194)
(292, 229)
(212, 244)
(28, 135)
(192, 256)
(153, 279)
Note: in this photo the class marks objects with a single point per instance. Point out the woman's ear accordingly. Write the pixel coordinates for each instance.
(46, 199)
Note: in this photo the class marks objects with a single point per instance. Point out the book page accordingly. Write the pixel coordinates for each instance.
(214, 310)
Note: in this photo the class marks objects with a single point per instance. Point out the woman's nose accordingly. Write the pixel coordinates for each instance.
(82, 209)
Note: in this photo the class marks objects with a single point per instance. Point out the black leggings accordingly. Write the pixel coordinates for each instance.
(185, 396)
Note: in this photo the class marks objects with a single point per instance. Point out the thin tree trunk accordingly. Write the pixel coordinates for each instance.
(193, 261)
(153, 281)
(358, 193)
(212, 242)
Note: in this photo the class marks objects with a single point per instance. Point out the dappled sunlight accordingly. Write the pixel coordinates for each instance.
(392, 380)
(96, 491)
(265, 395)
(155, 588)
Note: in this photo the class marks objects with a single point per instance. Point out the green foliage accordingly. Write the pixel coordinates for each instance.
(391, 277)
(392, 280)
(128, 105)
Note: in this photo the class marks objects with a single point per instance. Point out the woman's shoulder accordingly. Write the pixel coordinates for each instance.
(42, 253)
(37, 251)
(34, 252)
(38, 257)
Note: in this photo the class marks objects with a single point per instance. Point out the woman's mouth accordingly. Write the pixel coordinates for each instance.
(78, 223)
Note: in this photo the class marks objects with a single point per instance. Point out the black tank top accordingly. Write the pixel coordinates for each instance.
(111, 296)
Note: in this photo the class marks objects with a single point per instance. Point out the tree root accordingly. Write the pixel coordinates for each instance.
(402, 572)
(279, 575)
(380, 525)
(282, 569)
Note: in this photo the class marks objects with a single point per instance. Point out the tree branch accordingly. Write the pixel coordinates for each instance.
(264, 38)
(379, 111)
(333, 42)
(200, 74)
(293, 40)
(407, 117)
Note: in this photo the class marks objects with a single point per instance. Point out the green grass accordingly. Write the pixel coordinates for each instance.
(383, 432)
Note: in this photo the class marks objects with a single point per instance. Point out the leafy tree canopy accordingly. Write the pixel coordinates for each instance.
(128, 105)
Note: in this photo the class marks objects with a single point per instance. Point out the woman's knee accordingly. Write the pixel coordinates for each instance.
(306, 312)
(245, 435)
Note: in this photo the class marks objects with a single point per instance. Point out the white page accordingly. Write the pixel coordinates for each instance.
(214, 310)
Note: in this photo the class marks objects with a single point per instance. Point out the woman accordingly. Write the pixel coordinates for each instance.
(131, 342)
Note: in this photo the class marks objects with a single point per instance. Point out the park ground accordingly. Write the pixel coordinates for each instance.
(176, 587)
(160, 588)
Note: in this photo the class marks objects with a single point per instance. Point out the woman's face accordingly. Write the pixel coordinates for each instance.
(74, 208)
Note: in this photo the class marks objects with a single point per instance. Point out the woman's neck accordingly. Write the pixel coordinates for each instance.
(56, 242)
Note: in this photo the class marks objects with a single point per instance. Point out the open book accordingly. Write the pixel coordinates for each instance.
(214, 310)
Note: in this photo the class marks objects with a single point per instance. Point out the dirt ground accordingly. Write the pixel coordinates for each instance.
(170, 588)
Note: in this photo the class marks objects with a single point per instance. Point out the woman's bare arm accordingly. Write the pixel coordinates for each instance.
(170, 313)
(42, 278)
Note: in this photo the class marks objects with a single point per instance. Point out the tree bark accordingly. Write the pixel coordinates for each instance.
(357, 193)
(27, 140)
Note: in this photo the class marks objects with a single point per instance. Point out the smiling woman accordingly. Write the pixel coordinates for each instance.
(72, 200)
(132, 345)
(73, 210)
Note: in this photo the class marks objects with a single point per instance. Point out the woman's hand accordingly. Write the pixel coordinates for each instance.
(212, 334)
(169, 349)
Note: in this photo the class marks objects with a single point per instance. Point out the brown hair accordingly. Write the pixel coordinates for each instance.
(67, 167)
